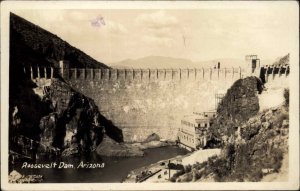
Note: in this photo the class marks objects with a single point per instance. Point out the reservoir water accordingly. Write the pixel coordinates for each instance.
(115, 168)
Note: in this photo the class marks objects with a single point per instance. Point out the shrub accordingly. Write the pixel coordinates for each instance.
(178, 173)
(249, 132)
(175, 166)
(198, 175)
(196, 165)
(187, 177)
(282, 116)
(255, 174)
(173, 179)
(277, 155)
(230, 155)
(187, 168)
(199, 166)
(220, 168)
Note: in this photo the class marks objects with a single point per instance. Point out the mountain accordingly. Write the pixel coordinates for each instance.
(153, 62)
(283, 61)
(29, 40)
(160, 62)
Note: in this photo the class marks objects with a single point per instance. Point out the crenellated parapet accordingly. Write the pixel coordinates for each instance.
(115, 74)
(270, 72)
(37, 72)
(266, 73)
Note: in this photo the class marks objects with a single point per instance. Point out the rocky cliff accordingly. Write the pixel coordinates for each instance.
(48, 111)
(257, 147)
(253, 143)
(239, 104)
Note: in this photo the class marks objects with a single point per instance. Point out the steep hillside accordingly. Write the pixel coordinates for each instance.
(29, 40)
(258, 147)
(239, 104)
(49, 111)
(254, 144)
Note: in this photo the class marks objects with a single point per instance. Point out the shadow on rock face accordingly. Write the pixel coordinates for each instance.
(111, 130)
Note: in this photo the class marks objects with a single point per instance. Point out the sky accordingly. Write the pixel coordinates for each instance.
(111, 35)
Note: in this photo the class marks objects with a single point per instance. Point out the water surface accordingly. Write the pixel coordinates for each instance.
(115, 169)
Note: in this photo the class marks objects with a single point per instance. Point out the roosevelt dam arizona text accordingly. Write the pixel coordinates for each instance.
(146, 101)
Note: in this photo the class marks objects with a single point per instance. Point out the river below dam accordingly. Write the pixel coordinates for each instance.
(110, 169)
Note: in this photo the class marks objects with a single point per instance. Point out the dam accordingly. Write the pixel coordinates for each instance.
(145, 101)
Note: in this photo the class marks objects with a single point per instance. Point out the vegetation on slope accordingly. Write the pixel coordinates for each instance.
(253, 144)
(239, 104)
(46, 45)
(258, 148)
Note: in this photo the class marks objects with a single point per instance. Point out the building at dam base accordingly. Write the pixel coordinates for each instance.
(192, 134)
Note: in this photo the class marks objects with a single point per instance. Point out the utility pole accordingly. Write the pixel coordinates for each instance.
(169, 169)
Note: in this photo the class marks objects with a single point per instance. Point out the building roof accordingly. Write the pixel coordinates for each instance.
(194, 118)
(210, 111)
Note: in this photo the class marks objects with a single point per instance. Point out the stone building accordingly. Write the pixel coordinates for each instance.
(193, 130)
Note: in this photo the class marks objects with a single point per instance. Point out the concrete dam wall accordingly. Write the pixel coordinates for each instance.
(142, 102)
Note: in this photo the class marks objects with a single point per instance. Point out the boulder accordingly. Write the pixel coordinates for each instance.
(152, 137)
(111, 148)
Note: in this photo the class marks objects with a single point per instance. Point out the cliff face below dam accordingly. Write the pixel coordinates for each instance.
(145, 103)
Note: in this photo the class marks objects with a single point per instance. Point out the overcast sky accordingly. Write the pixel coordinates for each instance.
(197, 35)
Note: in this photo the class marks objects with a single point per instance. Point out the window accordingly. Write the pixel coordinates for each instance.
(205, 125)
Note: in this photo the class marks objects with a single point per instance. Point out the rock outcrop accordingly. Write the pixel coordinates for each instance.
(75, 119)
(239, 104)
(152, 137)
(109, 147)
(62, 118)
(253, 143)
(256, 148)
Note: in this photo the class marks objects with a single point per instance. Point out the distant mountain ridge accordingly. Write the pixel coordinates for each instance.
(283, 60)
(159, 62)
(28, 37)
